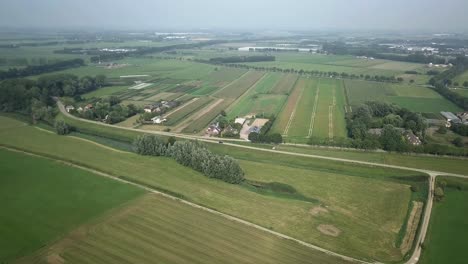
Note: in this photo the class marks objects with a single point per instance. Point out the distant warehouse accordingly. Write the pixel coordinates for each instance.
(451, 117)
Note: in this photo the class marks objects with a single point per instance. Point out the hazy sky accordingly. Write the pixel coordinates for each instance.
(435, 15)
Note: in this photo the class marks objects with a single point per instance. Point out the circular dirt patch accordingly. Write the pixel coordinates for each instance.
(329, 230)
(318, 210)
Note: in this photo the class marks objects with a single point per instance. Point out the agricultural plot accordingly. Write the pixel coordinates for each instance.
(463, 92)
(259, 98)
(324, 116)
(218, 79)
(202, 118)
(415, 98)
(174, 118)
(239, 86)
(357, 223)
(319, 111)
(448, 228)
(281, 123)
(339, 63)
(157, 228)
(285, 85)
(43, 199)
(302, 123)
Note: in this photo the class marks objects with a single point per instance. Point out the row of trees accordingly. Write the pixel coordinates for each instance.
(237, 59)
(39, 69)
(105, 56)
(443, 80)
(316, 73)
(191, 154)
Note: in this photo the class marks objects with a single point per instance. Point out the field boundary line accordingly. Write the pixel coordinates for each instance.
(201, 207)
(331, 108)
(182, 107)
(314, 111)
(293, 113)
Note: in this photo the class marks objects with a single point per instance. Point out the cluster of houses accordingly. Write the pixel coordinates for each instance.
(71, 108)
(214, 129)
(451, 118)
(430, 65)
(160, 107)
(408, 134)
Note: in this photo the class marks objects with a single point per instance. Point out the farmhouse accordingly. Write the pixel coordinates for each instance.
(158, 120)
(69, 108)
(152, 108)
(213, 130)
(450, 117)
(463, 116)
(88, 106)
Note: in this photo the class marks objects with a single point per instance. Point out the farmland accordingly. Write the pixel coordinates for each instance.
(415, 98)
(448, 227)
(387, 209)
(260, 99)
(318, 111)
(157, 228)
(43, 199)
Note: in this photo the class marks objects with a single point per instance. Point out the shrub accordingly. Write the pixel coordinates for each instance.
(61, 127)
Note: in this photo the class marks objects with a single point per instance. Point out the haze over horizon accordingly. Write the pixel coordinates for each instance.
(399, 15)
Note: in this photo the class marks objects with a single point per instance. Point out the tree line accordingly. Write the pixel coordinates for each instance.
(106, 56)
(443, 80)
(34, 97)
(40, 69)
(191, 154)
(236, 59)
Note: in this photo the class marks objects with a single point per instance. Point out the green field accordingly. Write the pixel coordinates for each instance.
(239, 86)
(463, 92)
(339, 63)
(260, 100)
(156, 228)
(415, 98)
(185, 111)
(364, 219)
(301, 123)
(448, 228)
(318, 111)
(43, 199)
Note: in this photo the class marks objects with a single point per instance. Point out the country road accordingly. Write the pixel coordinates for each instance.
(425, 220)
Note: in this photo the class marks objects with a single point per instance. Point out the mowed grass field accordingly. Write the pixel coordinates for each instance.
(361, 219)
(318, 111)
(239, 86)
(448, 228)
(260, 99)
(415, 98)
(154, 229)
(43, 199)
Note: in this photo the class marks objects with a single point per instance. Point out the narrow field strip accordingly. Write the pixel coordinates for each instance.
(182, 107)
(293, 113)
(330, 122)
(312, 117)
(196, 116)
(246, 93)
